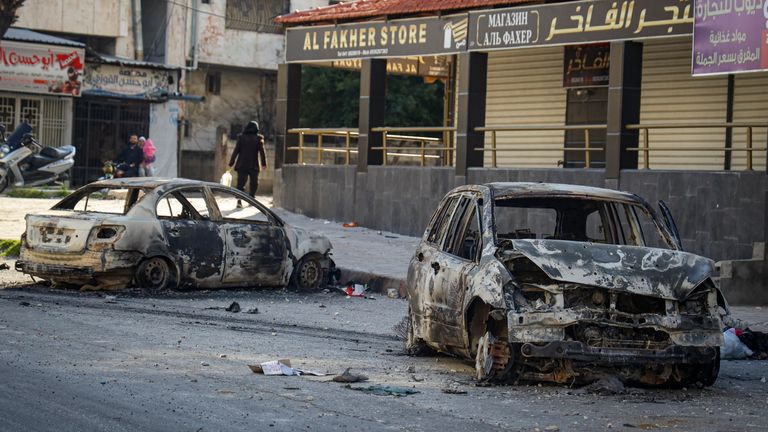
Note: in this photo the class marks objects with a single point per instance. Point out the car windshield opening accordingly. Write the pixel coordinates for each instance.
(576, 219)
(111, 200)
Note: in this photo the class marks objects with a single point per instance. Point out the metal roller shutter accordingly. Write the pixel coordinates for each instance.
(525, 87)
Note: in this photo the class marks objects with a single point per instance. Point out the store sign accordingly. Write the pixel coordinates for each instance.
(730, 36)
(112, 80)
(578, 22)
(397, 38)
(432, 66)
(36, 68)
(587, 65)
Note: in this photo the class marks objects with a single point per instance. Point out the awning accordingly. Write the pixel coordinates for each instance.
(26, 35)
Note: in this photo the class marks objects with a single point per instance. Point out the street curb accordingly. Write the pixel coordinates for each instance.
(376, 282)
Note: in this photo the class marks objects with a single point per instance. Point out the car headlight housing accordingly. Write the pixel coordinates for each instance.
(4, 150)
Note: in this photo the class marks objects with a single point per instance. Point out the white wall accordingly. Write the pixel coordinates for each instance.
(164, 133)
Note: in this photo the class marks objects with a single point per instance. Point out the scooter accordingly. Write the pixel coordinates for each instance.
(24, 162)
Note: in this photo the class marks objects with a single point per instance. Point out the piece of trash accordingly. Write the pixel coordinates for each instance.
(352, 224)
(347, 377)
(385, 390)
(417, 379)
(322, 305)
(762, 380)
(454, 390)
(326, 222)
(411, 369)
(274, 333)
(734, 348)
(5, 266)
(252, 311)
(378, 232)
(222, 356)
(24, 303)
(393, 293)
(234, 307)
(605, 385)
(274, 367)
(281, 367)
(354, 290)
(202, 363)
(391, 236)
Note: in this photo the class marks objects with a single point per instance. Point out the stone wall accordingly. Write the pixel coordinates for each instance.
(719, 214)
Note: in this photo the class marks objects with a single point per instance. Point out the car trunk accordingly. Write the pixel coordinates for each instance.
(61, 231)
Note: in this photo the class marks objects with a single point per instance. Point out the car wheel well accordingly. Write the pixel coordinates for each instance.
(479, 321)
(296, 278)
(174, 271)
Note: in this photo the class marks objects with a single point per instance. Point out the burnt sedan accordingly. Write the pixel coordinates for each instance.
(563, 283)
(164, 233)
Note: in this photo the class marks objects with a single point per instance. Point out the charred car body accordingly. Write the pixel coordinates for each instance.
(562, 283)
(164, 233)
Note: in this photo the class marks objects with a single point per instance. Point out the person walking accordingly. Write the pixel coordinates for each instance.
(148, 149)
(245, 159)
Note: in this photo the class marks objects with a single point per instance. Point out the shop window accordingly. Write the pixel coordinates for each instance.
(213, 83)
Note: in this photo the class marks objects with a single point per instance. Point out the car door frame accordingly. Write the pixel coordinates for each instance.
(276, 224)
(188, 255)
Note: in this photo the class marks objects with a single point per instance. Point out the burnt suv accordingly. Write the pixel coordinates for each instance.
(562, 283)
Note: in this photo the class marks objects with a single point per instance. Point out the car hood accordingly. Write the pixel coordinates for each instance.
(647, 271)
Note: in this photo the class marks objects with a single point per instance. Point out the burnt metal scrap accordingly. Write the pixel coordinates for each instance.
(563, 283)
(164, 233)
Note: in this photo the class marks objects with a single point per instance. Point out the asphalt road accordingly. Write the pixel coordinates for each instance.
(71, 361)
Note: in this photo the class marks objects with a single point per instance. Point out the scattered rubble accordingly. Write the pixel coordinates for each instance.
(281, 367)
(234, 307)
(348, 377)
(385, 390)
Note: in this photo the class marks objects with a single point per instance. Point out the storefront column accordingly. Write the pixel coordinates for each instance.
(623, 106)
(473, 75)
(373, 79)
(288, 101)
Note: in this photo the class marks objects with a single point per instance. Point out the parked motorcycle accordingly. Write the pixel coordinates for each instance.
(24, 162)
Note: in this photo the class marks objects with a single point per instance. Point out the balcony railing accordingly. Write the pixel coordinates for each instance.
(444, 148)
(587, 149)
(646, 148)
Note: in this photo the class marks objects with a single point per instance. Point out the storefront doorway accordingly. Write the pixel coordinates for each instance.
(586, 106)
(102, 128)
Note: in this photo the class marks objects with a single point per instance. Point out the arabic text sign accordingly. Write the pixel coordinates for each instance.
(579, 22)
(397, 38)
(35, 68)
(586, 65)
(730, 36)
(126, 81)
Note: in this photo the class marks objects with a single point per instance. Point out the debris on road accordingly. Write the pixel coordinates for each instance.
(348, 377)
(281, 367)
(392, 293)
(24, 303)
(202, 363)
(352, 224)
(734, 348)
(252, 311)
(607, 385)
(234, 307)
(454, 390)
(385, 390)
(5, 266)
(354, 290)
(757, 342)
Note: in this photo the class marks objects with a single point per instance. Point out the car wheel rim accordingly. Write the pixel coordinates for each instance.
(310, 273)
(156, 273)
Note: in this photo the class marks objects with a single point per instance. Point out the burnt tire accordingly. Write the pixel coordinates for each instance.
(155, 274)
(703, 374)
(309, 273)
(493, 360)
(413, 345)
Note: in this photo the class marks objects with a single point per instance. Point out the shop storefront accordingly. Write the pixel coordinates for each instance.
(40, 75)
(123, 97)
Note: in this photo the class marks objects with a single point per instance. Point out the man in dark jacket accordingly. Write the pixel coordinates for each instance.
(130, 158)
(248, 150)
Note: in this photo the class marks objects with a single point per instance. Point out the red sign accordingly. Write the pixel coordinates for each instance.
(35, 68)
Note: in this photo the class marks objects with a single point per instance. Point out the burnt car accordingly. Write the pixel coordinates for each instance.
(563, 283)
(164, 233)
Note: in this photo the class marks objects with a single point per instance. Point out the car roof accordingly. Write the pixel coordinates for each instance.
(512, 189)
(150, 182)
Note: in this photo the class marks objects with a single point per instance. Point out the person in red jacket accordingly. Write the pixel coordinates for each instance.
(245, 159)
